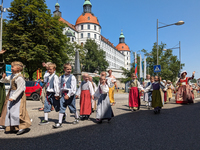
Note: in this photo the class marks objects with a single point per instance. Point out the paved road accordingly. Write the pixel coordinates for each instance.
(177, 127)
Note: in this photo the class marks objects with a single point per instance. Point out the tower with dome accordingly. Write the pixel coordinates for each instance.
(87, 26)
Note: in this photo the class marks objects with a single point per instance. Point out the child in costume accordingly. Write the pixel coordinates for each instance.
(52, 95)
(86, 92)
(184, 93)
(14, 114)
(146, 83)
(104, 110)
(157, 102)
(94, 105)
(112, 84)
(67, 84)
(170, 89)
(134, 97)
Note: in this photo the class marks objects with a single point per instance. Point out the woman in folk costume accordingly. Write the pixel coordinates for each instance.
(134, 97)
(111, 81)
(146, 83)
(170, 89)
(14, 114)
(94, 105)
(165, 92)
(86, 93)
(194, 86)
(104, 110)
(184, 94)
(157, 102)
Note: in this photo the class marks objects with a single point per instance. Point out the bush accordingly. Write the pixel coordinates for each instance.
(96, 80)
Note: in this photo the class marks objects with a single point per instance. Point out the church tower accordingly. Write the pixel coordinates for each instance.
(57, 11)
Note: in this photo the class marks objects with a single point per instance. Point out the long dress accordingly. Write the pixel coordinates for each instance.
(104, 110)
(184, 94)
(111, 86)
(85, 91)
(14, 114)
(157, 100)
(134, 97)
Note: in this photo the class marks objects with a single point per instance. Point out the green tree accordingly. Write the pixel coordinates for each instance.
(170, 65)
(95, 59)
(32, 36)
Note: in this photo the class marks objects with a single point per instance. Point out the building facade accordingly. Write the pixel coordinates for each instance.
(87, 26)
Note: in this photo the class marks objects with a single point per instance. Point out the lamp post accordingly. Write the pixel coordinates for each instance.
(179, 53)
(177, 23)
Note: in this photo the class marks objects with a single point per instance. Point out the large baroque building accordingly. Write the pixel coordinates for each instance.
(88, 27)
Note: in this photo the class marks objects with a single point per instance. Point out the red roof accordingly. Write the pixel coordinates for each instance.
(69, 24)
(122, 47)
(87, 18)
(107, 41)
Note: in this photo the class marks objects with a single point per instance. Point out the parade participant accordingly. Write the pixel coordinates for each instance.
(43, 94)
(102, 74)
(104, 110)
(14, 114)
(134, 97)
(161, 90)
(157, 103)
(86, 92)
(170, 89)
(194, 86)
(2, 88)
(94, 105)
(52, 95)
(146, 83)
(111, 81)
(184, 94)
(165, 91)
(67, 84)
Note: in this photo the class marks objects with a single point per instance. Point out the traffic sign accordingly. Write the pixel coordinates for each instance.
(157, 68)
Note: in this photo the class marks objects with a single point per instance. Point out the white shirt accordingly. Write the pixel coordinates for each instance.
(14, 94)
(46, 75)
(150, 87)
(138, 83)
(72, 90)
(94, 86)
(56, 88)
(109, 81)
(104, 90)
(86, 86)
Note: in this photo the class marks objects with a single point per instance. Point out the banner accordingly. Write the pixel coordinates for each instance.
(145, 73)
(136, 64)
(8, 70)
(141, 74)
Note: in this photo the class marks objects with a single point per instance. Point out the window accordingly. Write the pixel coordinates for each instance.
(88, 35)
(81, 35)
(95, 28)
(127, 58)
(81, 27)
(72, 39)
(127, 63)
(88, 27)
(88, 18)
(95, 36)
(127, 53)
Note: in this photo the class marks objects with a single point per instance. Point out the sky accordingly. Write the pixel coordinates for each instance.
(138, 20)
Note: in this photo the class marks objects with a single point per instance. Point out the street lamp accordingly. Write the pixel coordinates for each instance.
(179, 53)
(177, 23)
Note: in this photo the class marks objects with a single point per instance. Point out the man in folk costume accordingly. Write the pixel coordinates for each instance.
(146, 83)
(170, 89)
(157, 102)
(86, 93)
(184, 93)
(111, 81)
(14, 114)
(94, 104)
(134, 97)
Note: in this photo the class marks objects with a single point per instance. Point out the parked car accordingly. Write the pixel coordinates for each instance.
(33, 90)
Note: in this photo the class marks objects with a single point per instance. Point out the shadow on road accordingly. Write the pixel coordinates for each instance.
(176, 128)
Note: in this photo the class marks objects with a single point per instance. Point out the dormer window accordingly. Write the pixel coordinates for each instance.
(88, 18)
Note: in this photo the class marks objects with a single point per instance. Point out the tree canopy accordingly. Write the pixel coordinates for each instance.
(32, 36)
(95, 59)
